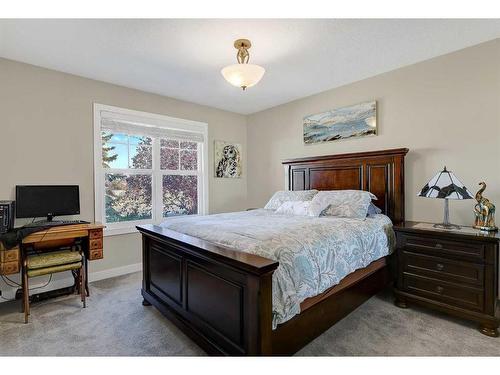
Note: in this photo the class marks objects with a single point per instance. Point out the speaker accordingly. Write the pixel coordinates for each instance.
(6, 216)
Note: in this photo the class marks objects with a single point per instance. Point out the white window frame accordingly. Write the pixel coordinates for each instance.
(146, 119)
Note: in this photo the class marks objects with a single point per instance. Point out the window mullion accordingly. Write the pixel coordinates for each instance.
(128, 151)
(157, 182)
(200, 180)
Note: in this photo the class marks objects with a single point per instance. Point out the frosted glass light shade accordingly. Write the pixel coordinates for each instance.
(243, 75)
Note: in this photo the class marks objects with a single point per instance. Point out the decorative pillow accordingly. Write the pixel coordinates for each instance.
(373, 210)
(341, 203)
(287, 196)
(297, 208)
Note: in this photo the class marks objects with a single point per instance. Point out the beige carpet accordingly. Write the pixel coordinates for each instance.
(116, 323)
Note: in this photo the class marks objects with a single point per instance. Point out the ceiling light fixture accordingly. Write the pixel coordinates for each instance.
(243, 74)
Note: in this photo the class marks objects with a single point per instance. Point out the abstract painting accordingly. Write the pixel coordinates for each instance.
(227, 160)
(354, 121)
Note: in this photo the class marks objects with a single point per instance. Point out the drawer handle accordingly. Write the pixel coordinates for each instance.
(440, 267)
(438, 246)
(440, 289)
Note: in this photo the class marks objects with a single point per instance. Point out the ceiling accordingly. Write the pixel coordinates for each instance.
(182, 58)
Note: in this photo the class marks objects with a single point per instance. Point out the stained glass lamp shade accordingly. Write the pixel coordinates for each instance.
(445, 185)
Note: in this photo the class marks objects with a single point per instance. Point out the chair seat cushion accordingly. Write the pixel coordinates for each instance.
(56, 258)
(54, 269)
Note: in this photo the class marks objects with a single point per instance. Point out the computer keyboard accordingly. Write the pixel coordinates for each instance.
(54, 223)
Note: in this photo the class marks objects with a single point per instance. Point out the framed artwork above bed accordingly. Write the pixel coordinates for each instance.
(357, 120)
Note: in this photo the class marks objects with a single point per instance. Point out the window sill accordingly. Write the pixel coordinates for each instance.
(109, 232)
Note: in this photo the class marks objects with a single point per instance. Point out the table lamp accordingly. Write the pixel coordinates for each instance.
(445, 185)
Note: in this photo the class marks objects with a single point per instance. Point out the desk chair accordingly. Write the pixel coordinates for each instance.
(53, 262)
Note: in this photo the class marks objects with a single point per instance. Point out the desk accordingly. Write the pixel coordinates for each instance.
(89, 234)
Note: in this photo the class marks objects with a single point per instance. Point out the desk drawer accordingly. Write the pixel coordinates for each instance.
(9, 255)
(95, 244)
(447, 248)
(95, 234)
(96, 254)
(444, 269)
(443, 291)
(9, 268)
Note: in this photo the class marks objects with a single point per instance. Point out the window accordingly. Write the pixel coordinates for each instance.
(147, 167)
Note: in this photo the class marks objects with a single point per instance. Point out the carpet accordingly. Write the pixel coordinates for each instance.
(116, 324)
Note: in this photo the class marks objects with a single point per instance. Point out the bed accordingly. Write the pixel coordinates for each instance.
(196, 274)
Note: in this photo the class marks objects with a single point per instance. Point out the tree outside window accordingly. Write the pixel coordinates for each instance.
(129, 176)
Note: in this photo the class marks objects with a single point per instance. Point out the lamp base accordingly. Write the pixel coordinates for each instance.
(446, 226)
(446, 219)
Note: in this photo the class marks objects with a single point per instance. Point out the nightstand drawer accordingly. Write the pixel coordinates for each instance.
(442, 291)
(448, 248)
(443, 269)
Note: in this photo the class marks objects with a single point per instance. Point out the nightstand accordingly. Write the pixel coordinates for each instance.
(453, 271)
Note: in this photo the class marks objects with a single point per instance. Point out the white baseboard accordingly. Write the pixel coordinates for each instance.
(9, 292)
(113, 272)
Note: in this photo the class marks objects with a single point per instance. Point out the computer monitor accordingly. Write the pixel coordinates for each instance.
(47, 200)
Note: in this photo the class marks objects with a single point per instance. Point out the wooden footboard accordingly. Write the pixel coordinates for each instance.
(219, 297)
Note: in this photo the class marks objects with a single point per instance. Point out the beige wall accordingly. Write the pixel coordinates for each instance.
(46, 134)
(445, 110)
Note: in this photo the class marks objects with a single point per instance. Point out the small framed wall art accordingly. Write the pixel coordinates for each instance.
(227, 158)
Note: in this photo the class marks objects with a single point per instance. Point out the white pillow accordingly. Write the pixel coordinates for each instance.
(287, 196)
(341, 203)
(297, 208)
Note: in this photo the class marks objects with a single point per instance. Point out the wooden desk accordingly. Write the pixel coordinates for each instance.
(90, 234)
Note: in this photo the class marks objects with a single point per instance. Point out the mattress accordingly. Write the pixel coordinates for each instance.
(346, 282)
(314, 253)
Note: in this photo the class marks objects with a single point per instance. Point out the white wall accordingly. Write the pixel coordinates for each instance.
(445, 110)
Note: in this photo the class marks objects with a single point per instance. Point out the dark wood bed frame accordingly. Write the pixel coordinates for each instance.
(222, 298)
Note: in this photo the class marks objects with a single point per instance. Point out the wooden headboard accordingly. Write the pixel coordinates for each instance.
(380, 172)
